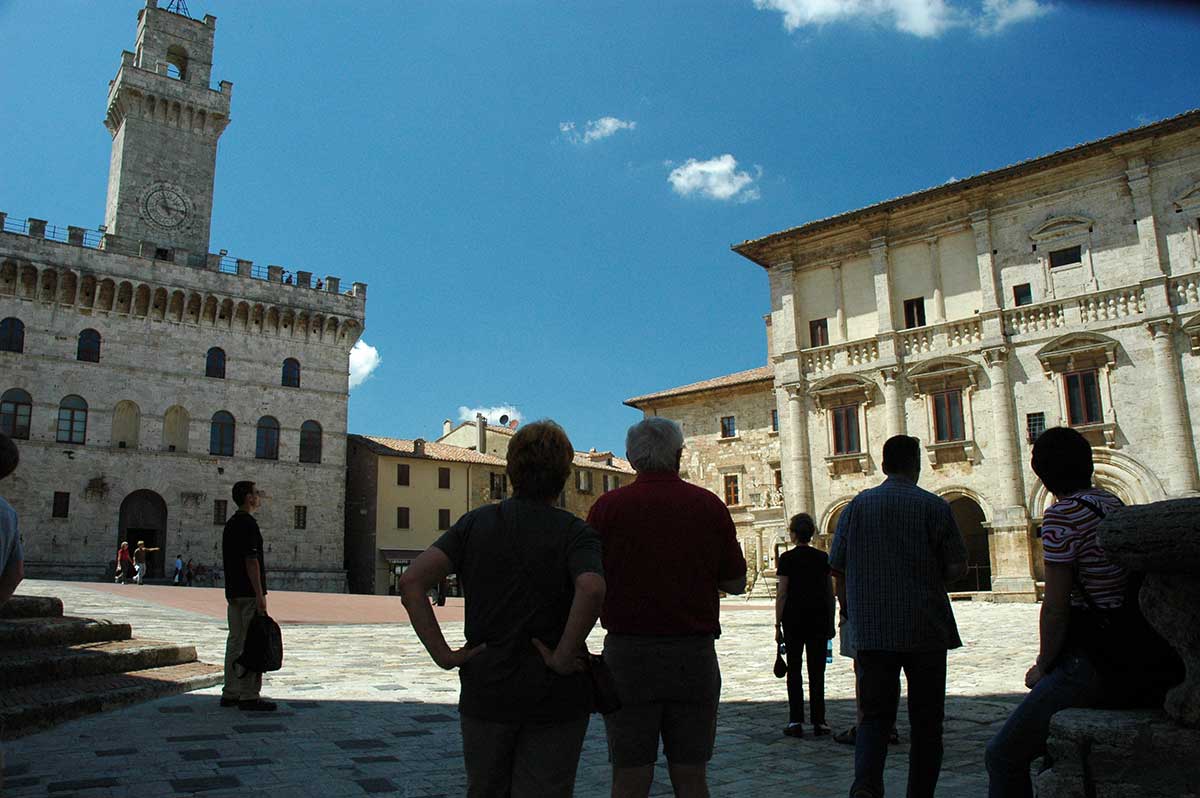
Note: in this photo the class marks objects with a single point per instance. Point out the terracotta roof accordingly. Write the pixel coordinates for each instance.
(490, 428)
(585, 460)
(401, 447)
(755, 249)
(760, 374)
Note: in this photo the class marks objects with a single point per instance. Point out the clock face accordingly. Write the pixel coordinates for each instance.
(166, 206)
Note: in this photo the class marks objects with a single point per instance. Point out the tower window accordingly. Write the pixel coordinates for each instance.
(220, 438)
(914, 313)
(177, 63)
(1022, 294)
(214, 364)
(1066, 257)
(72, 420)
(89, 347)
(267, 444)
(310, 442)
(16, 408)
(291, 373)
(12, 335)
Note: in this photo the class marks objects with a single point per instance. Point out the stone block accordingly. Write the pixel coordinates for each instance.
(75, 235)
(37, 228)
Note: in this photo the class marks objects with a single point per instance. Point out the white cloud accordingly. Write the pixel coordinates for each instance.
(717, 178)
(364, 359)
(492, 414)
(595, 129)
(924, 18)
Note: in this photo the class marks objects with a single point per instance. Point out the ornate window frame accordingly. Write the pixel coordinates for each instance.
(1188, 203)
(1191, 328)
(1082, 351)
(947, 374)
(1060, 232)
(845, 389)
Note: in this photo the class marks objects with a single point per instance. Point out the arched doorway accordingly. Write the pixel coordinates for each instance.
(144, 517)
(969, 517)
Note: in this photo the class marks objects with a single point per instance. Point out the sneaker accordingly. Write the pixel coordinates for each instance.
(847, 737)
(229, 702)
(821, 729)
(793, 730)
(257, 705)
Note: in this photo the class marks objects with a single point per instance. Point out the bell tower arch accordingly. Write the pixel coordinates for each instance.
(165, 121)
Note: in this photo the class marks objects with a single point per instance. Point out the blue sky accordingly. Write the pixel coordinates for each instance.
(542, 196)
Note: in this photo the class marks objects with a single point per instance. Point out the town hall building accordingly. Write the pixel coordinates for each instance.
(141, 375)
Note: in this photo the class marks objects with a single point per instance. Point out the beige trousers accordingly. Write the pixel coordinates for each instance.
(240, 684)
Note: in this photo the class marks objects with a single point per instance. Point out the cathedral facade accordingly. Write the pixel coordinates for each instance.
(142, 375)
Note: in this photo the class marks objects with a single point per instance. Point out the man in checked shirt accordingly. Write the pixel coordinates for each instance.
(897, 547)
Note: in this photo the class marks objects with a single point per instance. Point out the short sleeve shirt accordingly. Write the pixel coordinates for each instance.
(1069, 538)
(242, 540)
(893, 544)
(667, 546)
(808, 609)
(10, 539)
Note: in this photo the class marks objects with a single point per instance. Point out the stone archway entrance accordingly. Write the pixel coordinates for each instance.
(144, 517)
(969, 517)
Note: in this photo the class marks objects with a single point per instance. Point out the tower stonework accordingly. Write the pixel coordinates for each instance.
(165, 121)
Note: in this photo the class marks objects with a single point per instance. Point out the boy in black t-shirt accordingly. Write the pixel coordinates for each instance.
(246, 595)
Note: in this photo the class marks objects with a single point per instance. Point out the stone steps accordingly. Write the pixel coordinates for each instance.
(54, 667)
(28, 709)
(25, 666)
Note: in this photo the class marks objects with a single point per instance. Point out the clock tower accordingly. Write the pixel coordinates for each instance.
(165, 121)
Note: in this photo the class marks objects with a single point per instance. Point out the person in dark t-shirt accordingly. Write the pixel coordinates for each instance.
(804, 622)
(246, 595)
(533, 581)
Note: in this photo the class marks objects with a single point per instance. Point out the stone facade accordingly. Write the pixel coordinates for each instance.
(1062, 290)
(398, 503)
(107, 387)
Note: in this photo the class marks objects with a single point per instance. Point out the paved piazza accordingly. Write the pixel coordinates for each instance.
(364, 711)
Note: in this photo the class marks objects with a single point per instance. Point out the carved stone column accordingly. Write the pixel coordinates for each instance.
(798, 492)
(985, 261)
(883, 285)
(935, 273)
(893, 399)
(1176, 447)
(839, 303)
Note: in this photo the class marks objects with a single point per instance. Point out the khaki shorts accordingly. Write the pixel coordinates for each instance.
(669, 688)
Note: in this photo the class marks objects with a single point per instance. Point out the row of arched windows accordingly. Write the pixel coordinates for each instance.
(16, 413)
(12, 339)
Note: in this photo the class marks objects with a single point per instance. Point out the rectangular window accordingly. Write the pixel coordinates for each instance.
(443, 519)
(728, 426)
(611, 482)
(402, 521)
(845, 430)
(818, 332)
(220, 512)
(732, 494)
(778, 479)
(498, 486)
(62, 505)
(444, 478)
(1022, 294)
(1035, 425)
(948, 417)
(583, 481)
(774, 420)
(914, 313)
(1083, 398)
(1066, 257)
(402, 475)
(301, 517)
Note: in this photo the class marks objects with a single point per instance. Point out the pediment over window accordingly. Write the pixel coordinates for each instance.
(1076, 351)
(943, 374)
(1059, 227)
(1190, 199)
(1191, 328)
(843, 389)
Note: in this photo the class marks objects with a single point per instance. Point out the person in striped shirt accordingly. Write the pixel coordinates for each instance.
(1062, 676)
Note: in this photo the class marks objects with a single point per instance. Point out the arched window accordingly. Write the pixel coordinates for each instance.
(72, 420)
(310, 442)
(214, 365)
(12, 335)
(220, 439)
(126, 425)
(291, 373)
(177, 63)
(16, 407)
(267, 445)
(89, 346)
(175, 429)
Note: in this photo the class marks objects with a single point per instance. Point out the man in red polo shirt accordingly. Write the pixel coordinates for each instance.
(669, 547)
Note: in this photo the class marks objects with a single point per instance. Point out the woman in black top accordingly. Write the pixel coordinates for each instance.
(804, 622)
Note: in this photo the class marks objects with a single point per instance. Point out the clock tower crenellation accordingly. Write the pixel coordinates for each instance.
(165, 121)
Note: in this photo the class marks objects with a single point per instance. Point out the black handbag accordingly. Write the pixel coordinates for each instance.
(263, 650)
(780, 663)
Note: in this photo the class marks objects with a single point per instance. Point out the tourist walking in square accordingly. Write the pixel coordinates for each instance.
(804, 622)
(245, 596)
(139, 560)
(897, 547)
(669, 547)
(12, 559)
(533, 584)
(125, 571)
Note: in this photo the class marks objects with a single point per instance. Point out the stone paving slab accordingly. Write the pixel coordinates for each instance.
(365, 712)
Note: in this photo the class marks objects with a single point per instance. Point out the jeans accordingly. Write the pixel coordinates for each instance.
(879, 685)
(522, 759)
(1074, 683)
(813, 651)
